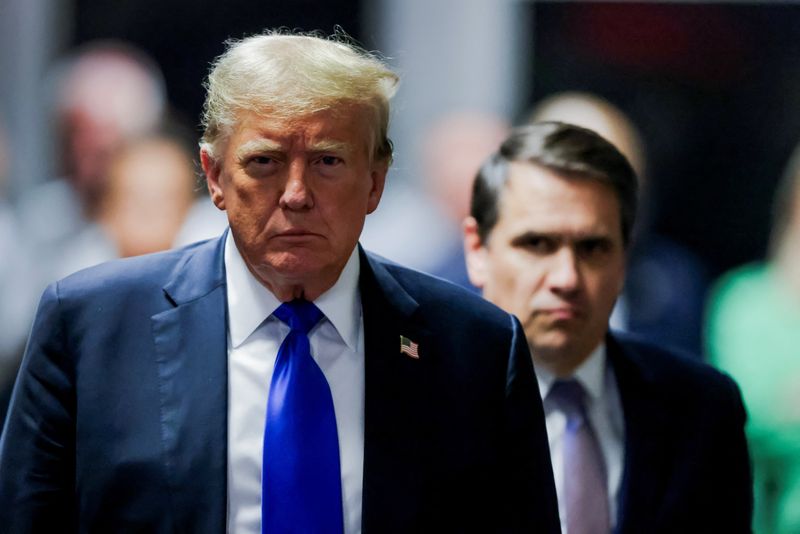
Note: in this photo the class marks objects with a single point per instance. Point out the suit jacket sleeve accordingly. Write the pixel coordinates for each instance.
(529, 458)
(37, 451)
(733, 499)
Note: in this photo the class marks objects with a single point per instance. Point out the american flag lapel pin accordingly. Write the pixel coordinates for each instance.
(409, 348)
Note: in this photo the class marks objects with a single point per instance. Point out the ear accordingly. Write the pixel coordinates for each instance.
(213, 171)
(378, 177)
(475, 253)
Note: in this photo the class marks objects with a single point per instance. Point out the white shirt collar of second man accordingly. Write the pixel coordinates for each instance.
(591, 375)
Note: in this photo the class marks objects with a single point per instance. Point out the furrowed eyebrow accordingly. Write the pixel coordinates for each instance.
(577, 238)
(329, 146)
(256, 145)
(592, 237)
(530, 236)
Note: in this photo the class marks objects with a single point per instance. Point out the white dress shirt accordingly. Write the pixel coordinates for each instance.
(604, 409)
(254, 336)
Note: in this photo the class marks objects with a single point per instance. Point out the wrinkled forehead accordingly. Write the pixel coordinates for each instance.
(343, 126)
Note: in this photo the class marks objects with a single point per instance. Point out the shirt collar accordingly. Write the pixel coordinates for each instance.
(250, 303)
(590, 374)
(341, 304)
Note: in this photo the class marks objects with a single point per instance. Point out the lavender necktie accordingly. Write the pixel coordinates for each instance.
(585, 481)
(301, 479)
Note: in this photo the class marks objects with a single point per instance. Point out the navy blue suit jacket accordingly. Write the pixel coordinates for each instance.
(686, 466)
(118, 420)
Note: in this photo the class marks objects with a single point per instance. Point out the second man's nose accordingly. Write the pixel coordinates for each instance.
(564, 272)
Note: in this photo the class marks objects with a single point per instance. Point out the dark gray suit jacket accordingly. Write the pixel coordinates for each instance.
(687, 467)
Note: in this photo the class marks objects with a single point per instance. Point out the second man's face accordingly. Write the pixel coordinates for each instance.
(555, 259)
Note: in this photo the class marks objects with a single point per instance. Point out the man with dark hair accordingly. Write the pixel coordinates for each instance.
(642, 440)
(278, 378)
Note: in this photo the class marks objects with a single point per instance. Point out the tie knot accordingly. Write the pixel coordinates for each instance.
(299, 314)
(569, 395)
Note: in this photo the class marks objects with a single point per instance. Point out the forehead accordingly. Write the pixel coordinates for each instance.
(539, 199)
(347, 125)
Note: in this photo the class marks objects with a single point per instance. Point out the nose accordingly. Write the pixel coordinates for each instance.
(297, 194)
(564, 276)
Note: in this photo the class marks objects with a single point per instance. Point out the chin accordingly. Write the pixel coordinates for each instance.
(553, 342)
(289, 263)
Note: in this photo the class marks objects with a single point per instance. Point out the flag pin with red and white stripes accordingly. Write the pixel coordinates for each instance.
(409, 348)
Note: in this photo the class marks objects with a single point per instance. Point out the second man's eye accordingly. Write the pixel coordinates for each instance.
(541, 245)
(593, 248)
(536, 244)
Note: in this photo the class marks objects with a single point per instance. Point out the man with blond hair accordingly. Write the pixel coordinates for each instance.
(278, 378)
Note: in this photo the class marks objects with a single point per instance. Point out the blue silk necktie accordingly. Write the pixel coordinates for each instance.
(301, 488)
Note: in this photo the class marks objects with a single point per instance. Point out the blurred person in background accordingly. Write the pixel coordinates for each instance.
(665, 283)
(450, 148)
(148, 192)
(277, 378)
(641, 439)
(17, 288)
(753, 332)
(103, 94)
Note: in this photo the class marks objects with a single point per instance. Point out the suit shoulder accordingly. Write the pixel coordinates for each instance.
(438, 296)
(675, 370)
(126, 275)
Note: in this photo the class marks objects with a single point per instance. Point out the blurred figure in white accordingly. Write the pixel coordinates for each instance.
(666, 284)
(103, 95)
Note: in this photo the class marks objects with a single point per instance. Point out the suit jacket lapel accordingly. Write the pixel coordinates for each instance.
(190, 348)
(394, 394)
(645, 468)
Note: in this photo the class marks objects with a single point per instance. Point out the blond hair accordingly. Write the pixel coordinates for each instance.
(284, 75)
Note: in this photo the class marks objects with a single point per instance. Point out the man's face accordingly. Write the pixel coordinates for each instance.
(297, 192)
(555, 259)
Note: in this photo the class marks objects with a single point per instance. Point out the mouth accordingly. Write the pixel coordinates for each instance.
(296, 235)
(563, 313)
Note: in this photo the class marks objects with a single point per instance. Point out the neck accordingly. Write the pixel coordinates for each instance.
(560, 363)
(286, 290)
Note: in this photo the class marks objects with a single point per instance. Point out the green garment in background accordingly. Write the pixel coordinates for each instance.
(753, 333)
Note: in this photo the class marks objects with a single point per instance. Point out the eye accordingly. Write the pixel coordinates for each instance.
(536, 244)
(261, 160)
(330, 161)
(593, 248)
(260, 164)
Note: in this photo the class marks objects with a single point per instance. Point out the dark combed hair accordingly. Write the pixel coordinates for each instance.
(572, 151)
